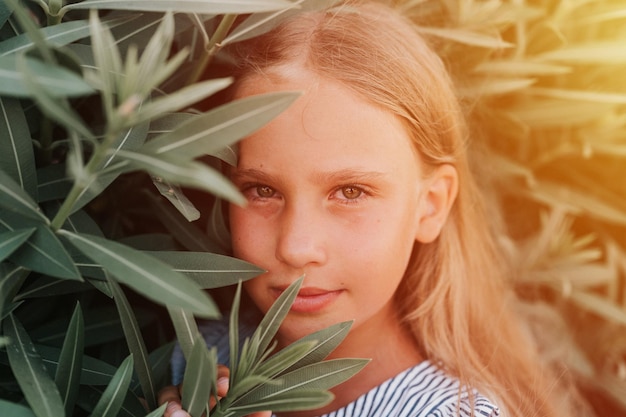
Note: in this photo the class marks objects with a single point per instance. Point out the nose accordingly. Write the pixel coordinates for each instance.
(302, 237)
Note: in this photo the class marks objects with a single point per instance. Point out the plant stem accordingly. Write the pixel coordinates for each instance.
(79, 187)
(213, 46)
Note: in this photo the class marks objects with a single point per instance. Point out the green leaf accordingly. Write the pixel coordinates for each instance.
(20, 74)
(198, 381)
(186, 233)
(47, 96)
(319, 376)
(10, 241)
(144, 273)
(270, 323)
(211, 7)
(38, 388)
(113, 397)
(327, 340)
(92, 371)
(259, 23)
(209, 270)
(14, 198)
(42, 252)
(185, 327)
(5, 13)
(53, 182)
(180, 99)
(158, 412)
(222, 126)
(16, 151)
(14, 409)
(217, 226)
(67, 377)
(89, 396)
(301, 400)
(176, 196)
(136, 344)
(24, 17)
(186, 173)
(13, 278)
(58, 35)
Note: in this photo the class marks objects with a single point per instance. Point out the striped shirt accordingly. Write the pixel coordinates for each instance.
(421, 391)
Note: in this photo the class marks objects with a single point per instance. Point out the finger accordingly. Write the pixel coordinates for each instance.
(170, 393)
(223, 374)
(261, 414)
(174, 409)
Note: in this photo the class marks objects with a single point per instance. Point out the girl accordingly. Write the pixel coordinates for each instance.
(363, 186)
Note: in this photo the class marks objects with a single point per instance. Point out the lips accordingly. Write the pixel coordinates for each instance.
(311, 300)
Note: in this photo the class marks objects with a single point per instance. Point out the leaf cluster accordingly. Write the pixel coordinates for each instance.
(105, 146)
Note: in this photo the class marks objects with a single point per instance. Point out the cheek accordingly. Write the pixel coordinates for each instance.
(247, 235)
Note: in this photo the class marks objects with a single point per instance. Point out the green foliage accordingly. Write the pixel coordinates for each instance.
(104, 145)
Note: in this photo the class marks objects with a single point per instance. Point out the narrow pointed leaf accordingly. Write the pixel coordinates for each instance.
(67, 376)
(46, 92)
(55, 80)
(53, 182)
(200, 372)
(185, 327)
(13, 278)
(113, 397)
(319, 376)
(285, 358)
(187, 234)
(186, 173)
(259, 23)
(38, 388)
(61, 34)
(157, 412)
(136, 344)
(327, 340)
(16, 152)
(211, 7)
(15, 410)
(92, 372)
(177, 197)
(275, 315)
(144, 273)
(222, 126)
(302, 400)
(14, 198)
(180, 99)
(42, 252)
(10, 241)
(209, 270)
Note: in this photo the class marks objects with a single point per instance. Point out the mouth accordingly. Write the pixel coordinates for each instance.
(311, 300)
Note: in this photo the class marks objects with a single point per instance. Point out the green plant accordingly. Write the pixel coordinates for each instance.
(545, 94)
(101, 144)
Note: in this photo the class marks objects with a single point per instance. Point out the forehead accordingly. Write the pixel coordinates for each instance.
(328, 117)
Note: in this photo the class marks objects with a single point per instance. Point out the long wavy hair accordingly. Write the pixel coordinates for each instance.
(454, 297)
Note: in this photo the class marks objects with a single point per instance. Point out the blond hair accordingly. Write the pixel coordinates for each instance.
(453, 296)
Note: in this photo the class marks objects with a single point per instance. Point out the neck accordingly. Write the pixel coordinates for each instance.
(391, 352)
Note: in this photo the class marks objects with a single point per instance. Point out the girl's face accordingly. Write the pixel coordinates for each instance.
(334, 192)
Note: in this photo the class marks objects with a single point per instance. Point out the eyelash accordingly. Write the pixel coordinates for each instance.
(250, 190)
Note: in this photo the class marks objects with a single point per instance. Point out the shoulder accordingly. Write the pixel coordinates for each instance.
(420, 391)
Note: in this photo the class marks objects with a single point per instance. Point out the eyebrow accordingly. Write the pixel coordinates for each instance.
(343, 175)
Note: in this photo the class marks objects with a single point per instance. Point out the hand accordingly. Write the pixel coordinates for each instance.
(172, 395)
